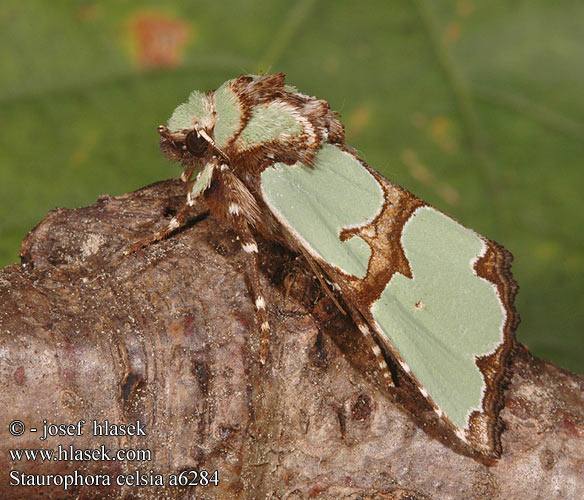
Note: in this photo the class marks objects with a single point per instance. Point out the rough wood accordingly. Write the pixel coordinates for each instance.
(167, 336)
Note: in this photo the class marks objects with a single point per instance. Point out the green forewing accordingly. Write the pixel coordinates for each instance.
(185, 115)
(228, 111)
(446, 315)
(317, 203)
(269, 122)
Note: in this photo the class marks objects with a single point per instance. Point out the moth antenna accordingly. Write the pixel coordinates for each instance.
(320, 278)
(163, 131)
(203, 133)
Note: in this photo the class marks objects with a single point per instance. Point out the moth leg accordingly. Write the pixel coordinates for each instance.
(188, 173)
(250, 247)
(357, 318)
(365, 330)
(175, 223)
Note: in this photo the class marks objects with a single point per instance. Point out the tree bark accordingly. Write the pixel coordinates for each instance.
(167, 337)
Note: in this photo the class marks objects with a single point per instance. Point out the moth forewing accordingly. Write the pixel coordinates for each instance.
(429, 288)
(437, 295)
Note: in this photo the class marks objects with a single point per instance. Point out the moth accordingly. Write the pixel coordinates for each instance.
(436, 296)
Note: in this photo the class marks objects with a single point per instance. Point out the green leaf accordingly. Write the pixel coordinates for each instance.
(474, 106)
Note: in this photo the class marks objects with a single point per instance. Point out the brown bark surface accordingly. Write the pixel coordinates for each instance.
(167, 336)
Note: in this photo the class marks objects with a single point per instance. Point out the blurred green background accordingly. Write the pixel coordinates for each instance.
(474, 106)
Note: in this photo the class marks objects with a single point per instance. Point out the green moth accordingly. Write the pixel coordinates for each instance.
(433, 295)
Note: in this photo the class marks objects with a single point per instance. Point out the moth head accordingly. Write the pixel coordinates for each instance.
(189, 147)
(188, 136)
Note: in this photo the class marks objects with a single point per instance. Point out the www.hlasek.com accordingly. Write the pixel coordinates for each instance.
(70, 453)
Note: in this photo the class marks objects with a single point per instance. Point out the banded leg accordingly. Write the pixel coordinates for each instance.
(358, 319)
(365, 330)
(239, 207)
(250, 247)
(175, 223)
